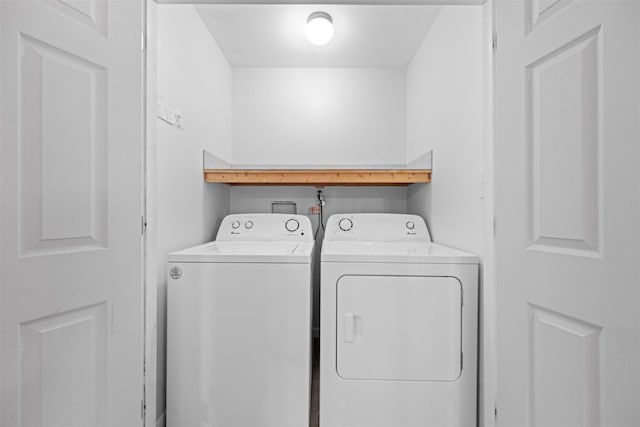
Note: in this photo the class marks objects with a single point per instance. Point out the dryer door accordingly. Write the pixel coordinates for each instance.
(399, 328)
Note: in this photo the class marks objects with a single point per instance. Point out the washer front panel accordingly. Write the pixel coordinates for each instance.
(238, 345)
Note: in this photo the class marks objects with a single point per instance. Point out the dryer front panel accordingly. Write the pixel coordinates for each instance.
(399, 328)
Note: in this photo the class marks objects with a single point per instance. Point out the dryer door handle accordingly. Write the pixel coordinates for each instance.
(353, 327)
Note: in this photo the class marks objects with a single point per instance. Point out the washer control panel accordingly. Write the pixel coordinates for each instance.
(368, 227)
(265, 227)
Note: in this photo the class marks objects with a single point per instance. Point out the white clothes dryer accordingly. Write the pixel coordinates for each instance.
(398, 325)
(239, 325)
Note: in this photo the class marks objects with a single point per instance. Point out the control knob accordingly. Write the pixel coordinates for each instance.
(410, 225)
(292, 225)
(235, 225)
(248, 225)
(345, 224)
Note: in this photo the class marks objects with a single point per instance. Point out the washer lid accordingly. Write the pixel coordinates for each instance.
(394, 252)
(264, 252)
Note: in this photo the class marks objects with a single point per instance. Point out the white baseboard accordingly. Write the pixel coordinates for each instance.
(161, 422)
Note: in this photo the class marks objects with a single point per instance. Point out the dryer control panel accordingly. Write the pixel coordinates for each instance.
(377, 227)
(265, 227)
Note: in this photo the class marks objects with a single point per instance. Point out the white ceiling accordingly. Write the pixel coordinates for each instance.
(274, 35)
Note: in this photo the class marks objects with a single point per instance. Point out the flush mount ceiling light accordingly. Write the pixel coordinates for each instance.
(319, 28)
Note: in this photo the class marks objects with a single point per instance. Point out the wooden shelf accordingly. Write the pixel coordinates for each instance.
(317, 177)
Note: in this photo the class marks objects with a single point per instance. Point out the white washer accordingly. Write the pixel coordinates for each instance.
(239, 325)
(398, 325)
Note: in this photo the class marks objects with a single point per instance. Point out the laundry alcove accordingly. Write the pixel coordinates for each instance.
(399, 91)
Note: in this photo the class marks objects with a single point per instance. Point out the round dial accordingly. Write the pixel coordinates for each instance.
(292, 225)
(345, 224)
(410, 225)
(248, 225)
(235, 224)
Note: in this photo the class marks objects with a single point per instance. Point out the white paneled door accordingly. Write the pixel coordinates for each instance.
(71, 294)
(567, 212)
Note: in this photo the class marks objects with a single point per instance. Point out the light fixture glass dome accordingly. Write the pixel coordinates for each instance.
(319, 28)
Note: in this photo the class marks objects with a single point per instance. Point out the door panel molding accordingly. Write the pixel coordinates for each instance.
(563, 346)
(62, 108)
(63, 368)
(539, 11)
(92, 13)
(564, 146)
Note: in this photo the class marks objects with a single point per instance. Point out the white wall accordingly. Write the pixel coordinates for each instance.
(327, 116)
(449, 110)
(194, 78)
(445, 113)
